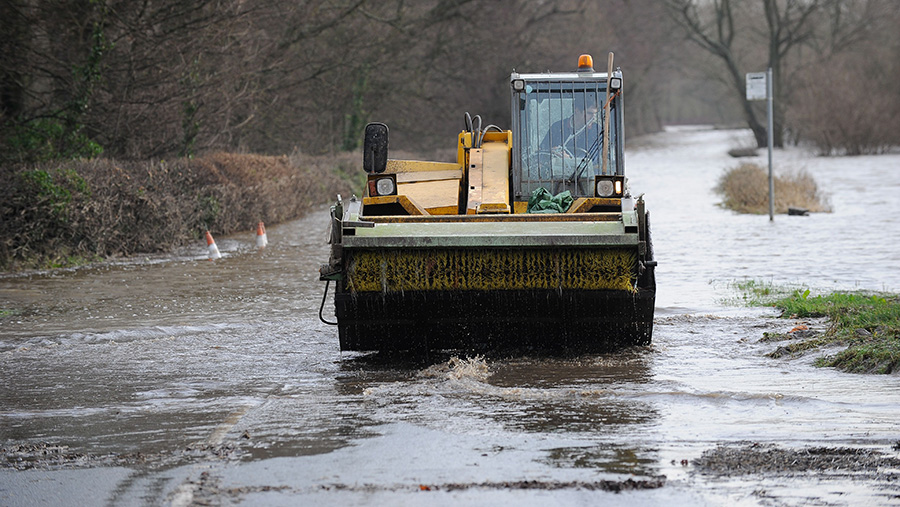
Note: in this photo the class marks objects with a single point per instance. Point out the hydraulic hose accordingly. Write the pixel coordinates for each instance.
(322, 306)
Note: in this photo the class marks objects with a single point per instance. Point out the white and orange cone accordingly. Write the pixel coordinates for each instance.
(261, 239)
(211, 246)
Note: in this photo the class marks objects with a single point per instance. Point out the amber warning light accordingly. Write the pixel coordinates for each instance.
(585, 63)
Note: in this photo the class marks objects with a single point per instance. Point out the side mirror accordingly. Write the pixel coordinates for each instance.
(375, 148)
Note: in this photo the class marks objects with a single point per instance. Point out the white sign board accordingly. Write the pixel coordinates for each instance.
(756, 86)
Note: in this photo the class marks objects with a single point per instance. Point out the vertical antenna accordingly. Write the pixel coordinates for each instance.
(609, 69)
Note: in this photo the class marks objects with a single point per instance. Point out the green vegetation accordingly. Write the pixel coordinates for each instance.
(745, 189)
(869, 324)
(61, 133)
(48, 139)
(759, 293)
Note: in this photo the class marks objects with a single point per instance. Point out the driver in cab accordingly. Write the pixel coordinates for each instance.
(575, 137)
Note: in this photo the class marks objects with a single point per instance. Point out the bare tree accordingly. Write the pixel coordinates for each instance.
(847, 101)
(174, 77)
(137, 78)
(731, 31)
(417, 66)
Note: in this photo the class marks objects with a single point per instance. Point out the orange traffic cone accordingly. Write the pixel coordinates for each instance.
(211, 246)
(261, 239)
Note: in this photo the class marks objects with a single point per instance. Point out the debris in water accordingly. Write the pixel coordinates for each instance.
(728, 460)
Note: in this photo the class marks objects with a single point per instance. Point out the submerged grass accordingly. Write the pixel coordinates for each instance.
(868, 323)
(760, 293)
(745, 189)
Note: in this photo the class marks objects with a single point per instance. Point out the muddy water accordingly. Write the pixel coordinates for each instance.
(177, 380)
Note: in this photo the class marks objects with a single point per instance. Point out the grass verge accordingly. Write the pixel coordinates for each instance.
(867, 323)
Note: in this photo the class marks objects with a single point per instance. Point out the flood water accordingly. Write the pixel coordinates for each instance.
(176, 380)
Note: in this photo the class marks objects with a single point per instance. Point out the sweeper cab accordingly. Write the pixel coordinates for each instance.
(531, 240)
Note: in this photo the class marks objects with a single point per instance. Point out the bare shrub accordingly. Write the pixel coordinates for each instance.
(745, 189)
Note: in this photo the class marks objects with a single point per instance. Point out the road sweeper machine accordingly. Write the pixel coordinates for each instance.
(532, 239)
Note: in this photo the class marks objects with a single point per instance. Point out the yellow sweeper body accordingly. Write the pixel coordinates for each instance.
(530, 240)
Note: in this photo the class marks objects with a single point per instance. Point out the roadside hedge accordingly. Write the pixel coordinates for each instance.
(68, 212)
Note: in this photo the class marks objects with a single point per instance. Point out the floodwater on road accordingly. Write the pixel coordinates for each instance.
(176, 380)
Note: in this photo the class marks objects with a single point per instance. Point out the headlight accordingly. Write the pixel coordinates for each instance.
(385, 186)
(604, 188)
(382, 184)
(609, 186)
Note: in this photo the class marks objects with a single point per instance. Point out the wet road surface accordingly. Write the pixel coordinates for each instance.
(176, 380)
